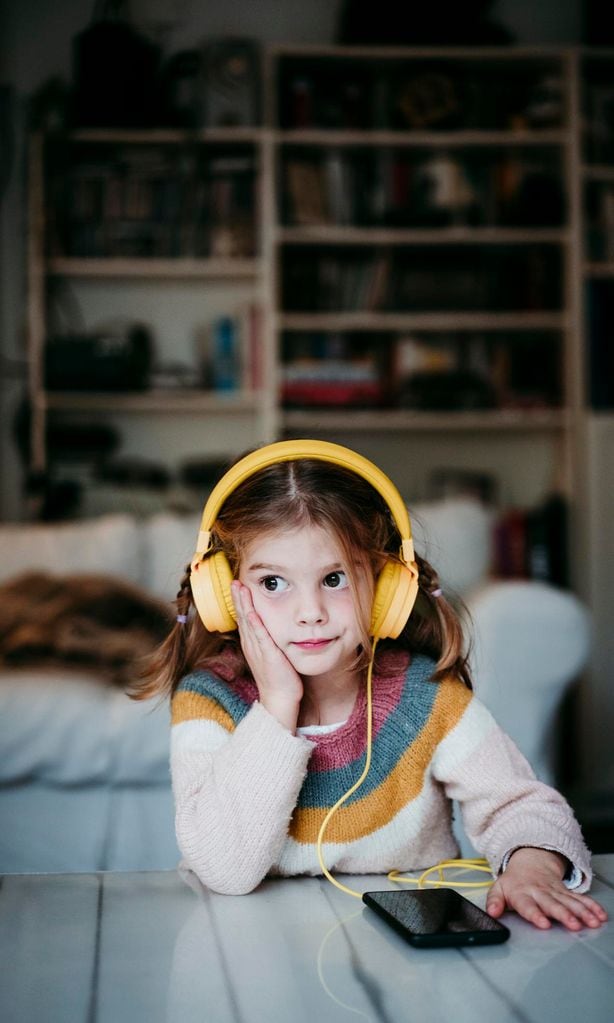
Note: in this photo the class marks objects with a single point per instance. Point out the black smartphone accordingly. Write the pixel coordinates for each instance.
(436, 917)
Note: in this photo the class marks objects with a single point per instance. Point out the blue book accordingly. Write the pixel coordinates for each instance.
(225, 360)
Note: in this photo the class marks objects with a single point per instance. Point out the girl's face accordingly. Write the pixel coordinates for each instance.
(302, 594)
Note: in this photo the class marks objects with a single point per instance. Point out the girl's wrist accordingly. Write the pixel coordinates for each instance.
(532, 854)
(285, 712)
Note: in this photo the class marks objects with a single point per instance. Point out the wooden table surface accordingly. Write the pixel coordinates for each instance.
(115, 947)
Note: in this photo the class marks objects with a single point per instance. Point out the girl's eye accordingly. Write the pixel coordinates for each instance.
(273, 583)
(336, 580)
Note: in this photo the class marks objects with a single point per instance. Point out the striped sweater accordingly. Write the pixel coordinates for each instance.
(250, 796)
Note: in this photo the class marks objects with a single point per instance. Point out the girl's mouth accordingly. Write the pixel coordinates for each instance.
(312, 644)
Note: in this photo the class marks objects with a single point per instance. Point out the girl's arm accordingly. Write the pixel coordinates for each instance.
(523, 827)
(234, 796)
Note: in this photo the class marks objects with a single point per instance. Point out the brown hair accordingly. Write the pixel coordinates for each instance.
(287, 495)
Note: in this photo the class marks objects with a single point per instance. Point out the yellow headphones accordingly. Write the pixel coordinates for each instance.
(397, 585)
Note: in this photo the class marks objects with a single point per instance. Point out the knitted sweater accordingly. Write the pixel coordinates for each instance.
(250, 796)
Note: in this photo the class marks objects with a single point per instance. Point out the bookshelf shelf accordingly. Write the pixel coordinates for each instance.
(171, 269)
(330, 235)
(420, 139)
(599, 270)
(166, 136)
(156, 401)
(539, 55)
(384, 420)
(432, 321)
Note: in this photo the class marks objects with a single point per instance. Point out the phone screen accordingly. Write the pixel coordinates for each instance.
(436, 916)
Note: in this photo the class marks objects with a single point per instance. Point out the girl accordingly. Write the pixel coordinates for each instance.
(303, 599)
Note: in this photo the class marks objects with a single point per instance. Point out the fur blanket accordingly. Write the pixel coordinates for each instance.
(78, 621)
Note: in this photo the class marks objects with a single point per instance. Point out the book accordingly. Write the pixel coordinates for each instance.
(306, 193)
(224, 361)
(250, 326)
(510, 545)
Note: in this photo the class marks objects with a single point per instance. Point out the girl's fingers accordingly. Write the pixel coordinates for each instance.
(495, 903)
(495, 900)
(238, 597)
(582, 908)
(251, 626)
(527, 907)
(572, 911)
(242, 600)
(600, 912)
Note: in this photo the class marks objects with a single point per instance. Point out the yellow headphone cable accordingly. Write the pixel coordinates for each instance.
(394, 875)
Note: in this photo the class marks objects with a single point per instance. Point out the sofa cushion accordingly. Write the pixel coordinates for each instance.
(169, 541)
(454, 535)
(68, 729)
(109, 544)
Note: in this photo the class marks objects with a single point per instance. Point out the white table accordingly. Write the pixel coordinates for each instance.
(113, 947)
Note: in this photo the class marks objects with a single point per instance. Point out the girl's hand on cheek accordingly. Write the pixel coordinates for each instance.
(279, 686)
(532, 885)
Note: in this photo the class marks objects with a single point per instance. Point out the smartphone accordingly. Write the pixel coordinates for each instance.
(436, 917)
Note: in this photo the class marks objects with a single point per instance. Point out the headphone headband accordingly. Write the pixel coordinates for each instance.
(292, 450)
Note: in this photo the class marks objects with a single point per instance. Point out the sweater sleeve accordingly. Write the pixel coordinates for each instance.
(503, 804)
(235, 792)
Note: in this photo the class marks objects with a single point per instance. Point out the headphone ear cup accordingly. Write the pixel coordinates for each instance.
(395, 594)
(210, 582)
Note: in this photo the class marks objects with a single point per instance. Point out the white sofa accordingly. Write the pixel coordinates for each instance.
(84, 779)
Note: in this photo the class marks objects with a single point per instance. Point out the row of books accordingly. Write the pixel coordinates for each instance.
(532, 542)
(419, 94)
(395, 188)
(333, 370)
(427, 372)
(140, 202)
(333, 383)
(422, 279)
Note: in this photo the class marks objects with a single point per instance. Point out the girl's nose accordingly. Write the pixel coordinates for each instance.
(311, 609)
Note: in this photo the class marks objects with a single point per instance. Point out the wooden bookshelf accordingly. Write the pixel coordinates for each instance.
(499, 148)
